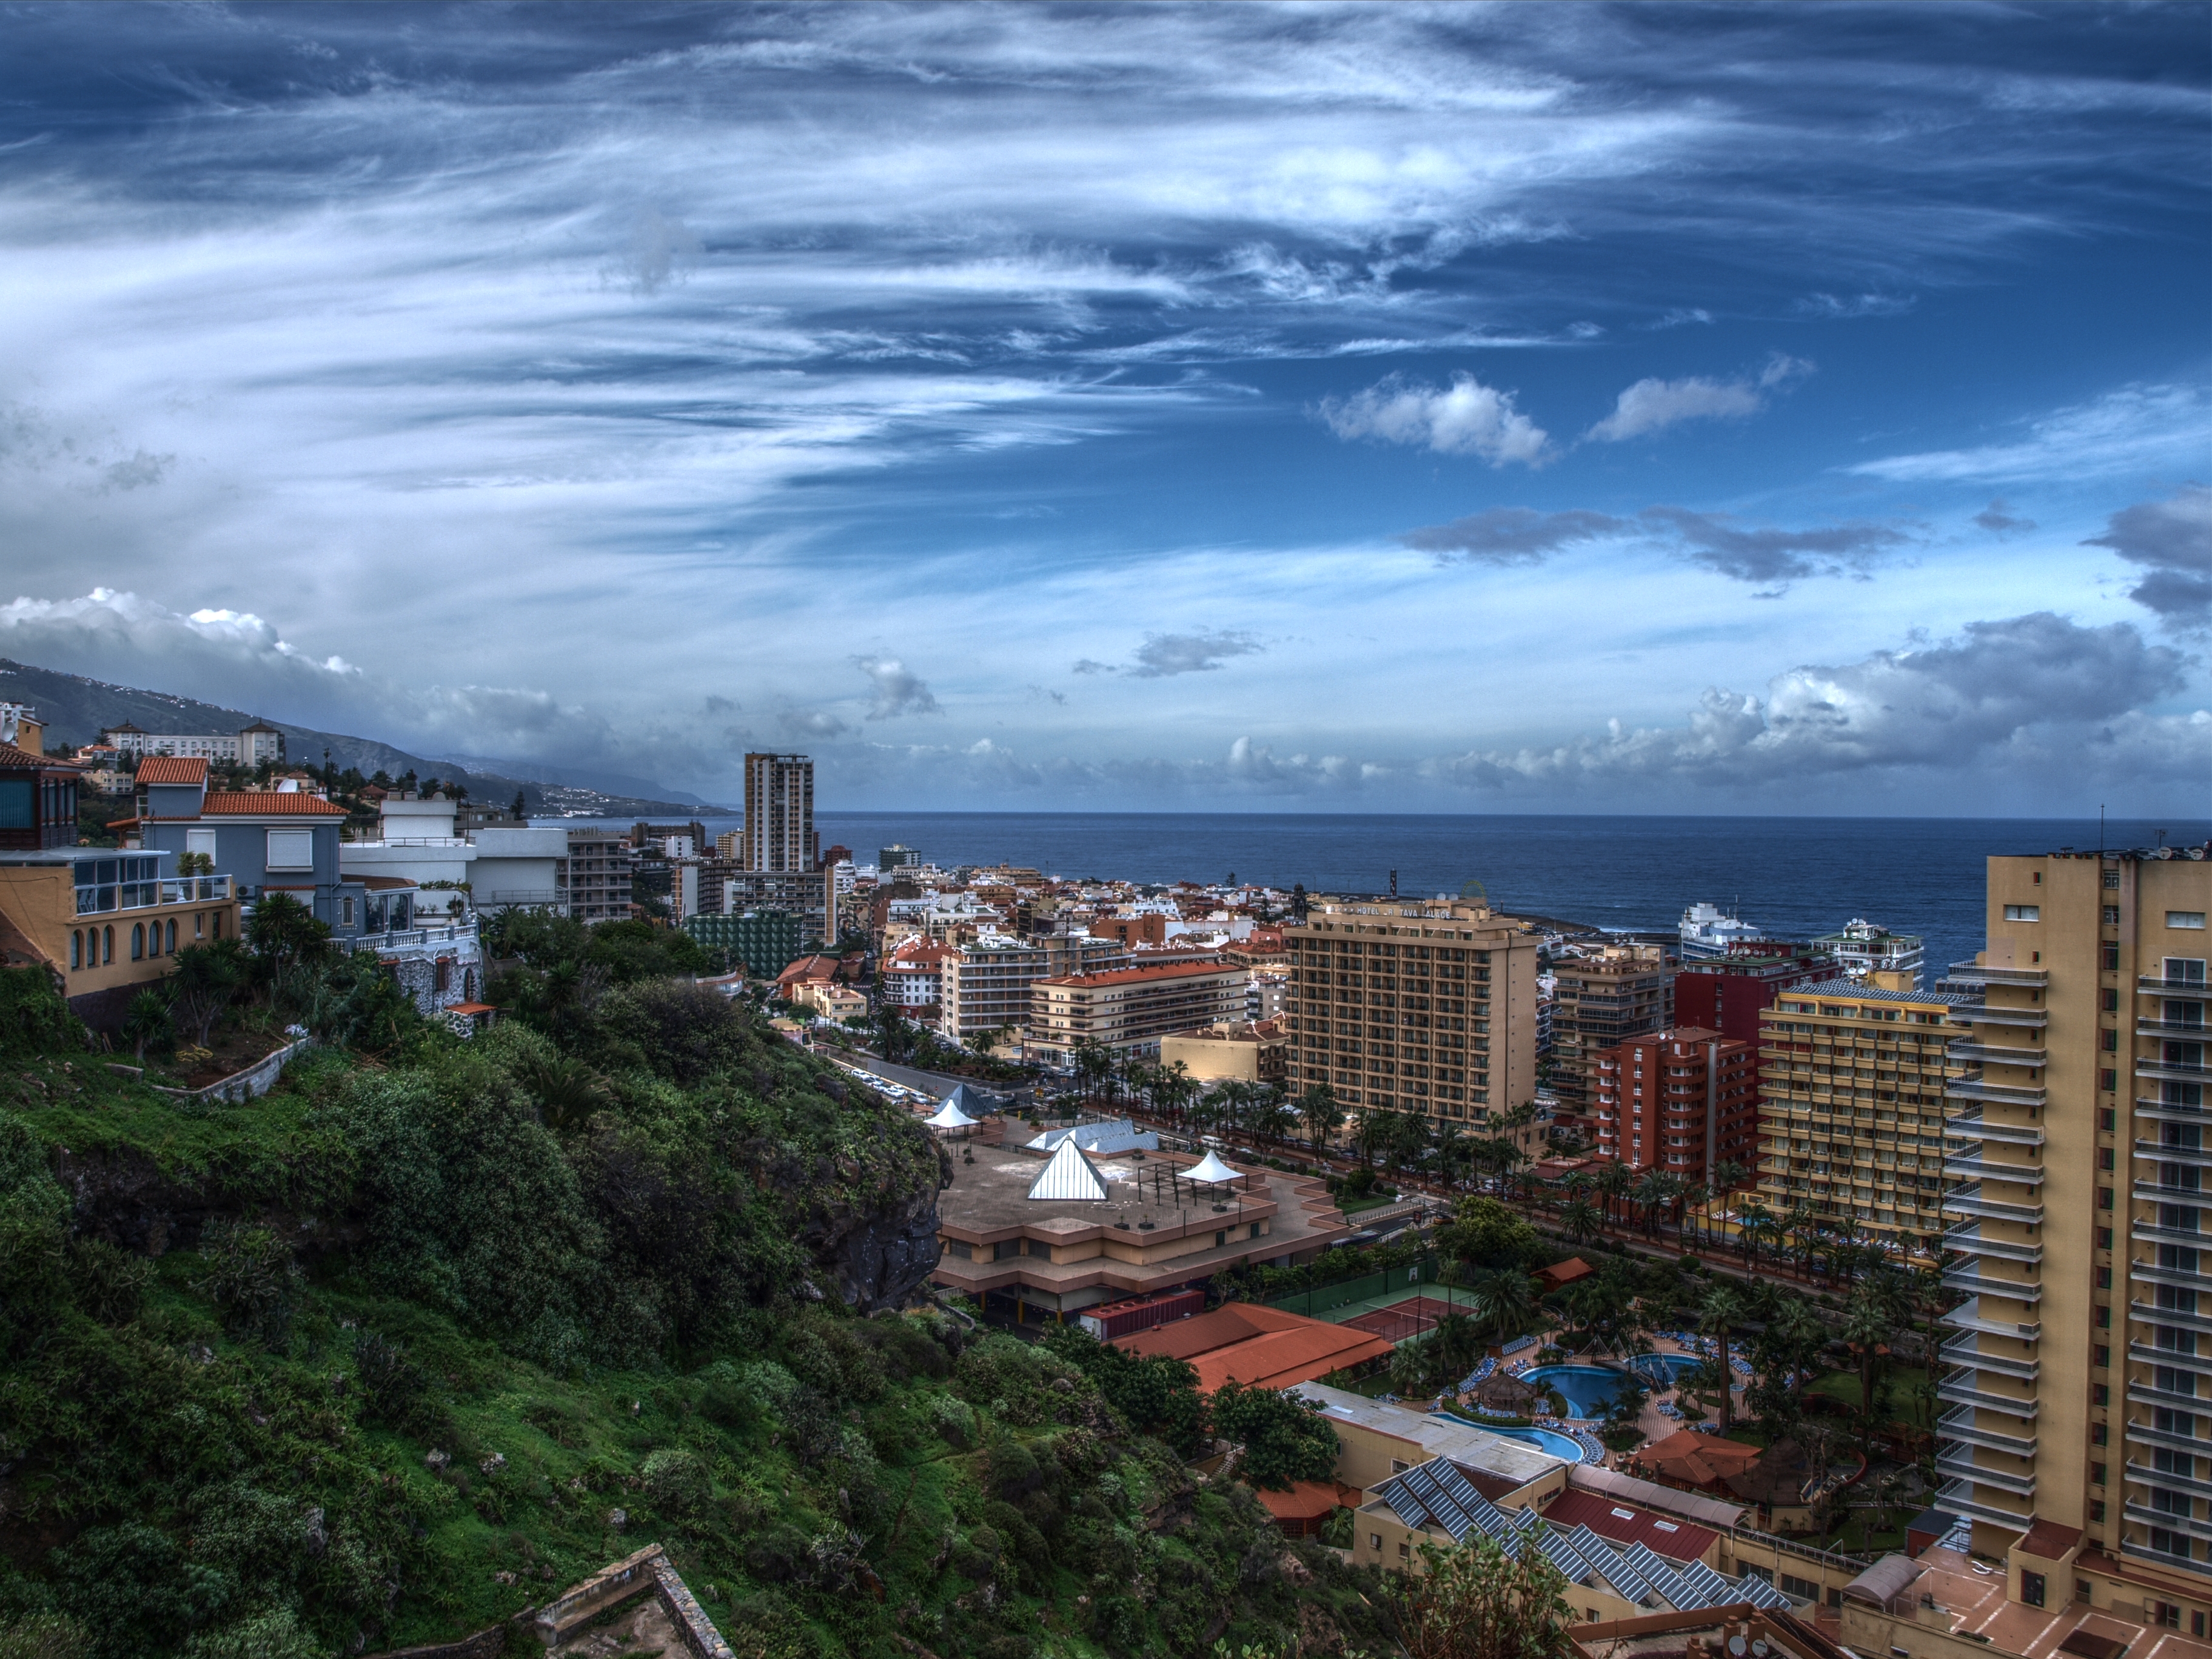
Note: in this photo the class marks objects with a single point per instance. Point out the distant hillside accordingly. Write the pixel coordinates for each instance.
(75, 710)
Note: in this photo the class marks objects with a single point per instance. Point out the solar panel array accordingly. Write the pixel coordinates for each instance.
(1437, 1495)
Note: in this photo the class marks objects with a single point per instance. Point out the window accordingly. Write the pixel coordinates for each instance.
(345, 912)
(291, 849)
(137, 941)
(1375, 1542)
(107, 943)
(200, 841)
(2023, 913)
(2096, 1471)
(2184, 918)
(2031, 1589)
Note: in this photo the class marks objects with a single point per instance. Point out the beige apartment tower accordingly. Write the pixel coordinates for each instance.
(1856, 1081)
(779, 832)
(2077, 1425)
(1428, 1008)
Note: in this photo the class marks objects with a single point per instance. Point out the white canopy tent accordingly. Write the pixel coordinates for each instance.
(950, 1116)
(1211, 1171)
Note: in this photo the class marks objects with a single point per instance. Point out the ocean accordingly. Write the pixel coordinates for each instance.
(1791, 877)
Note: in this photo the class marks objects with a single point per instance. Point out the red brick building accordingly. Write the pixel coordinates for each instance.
(1684, 1100)
(1725, 994)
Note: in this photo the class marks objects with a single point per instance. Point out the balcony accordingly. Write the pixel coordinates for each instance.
(2174, 1316)
(1975, 1168)
(1965, 1468)
(1960, 1425)
(2160, 1153)
(1968, 1241)
(2151, 1517)
(2174, 1028)
(2197, 1364)
(1998, 1094)
(1967, 1316)
(115, 897)
(2170, 1111)
(2188, 1279)
(1962, 1394)
(1964, 1050)
(2023, 1019)
(2143, 1434)
(1968, 1200)
(2181, 1070)
(2194, 1198)
(1973, 973)
(2142, 1394)
(1963, 1352)
(2146, 1232)
(1957, 1497)
(2156, 984)
(2145, 1552)
(1973, 1125)
(1970, 1283)
(2146, 1475)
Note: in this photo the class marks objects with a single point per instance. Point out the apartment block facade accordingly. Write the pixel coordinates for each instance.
(1728, 994)
(1129, 1010)
(600, 865)
(2080, 1379)
(1684, 1101)
(778, 831)
(1625, 991)
(985, 983)
(1429, 1008)
(1855, 1084)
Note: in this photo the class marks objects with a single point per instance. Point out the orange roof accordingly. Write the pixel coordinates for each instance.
(11, 756)
(1564, 1272)
(809, 970)
(1701, 1459)
(1260, 1348)
(267, 803)
(1306, 1500)
(1136, 976)
(172, 769)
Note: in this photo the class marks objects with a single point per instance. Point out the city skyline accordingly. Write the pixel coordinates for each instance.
(1445, 409)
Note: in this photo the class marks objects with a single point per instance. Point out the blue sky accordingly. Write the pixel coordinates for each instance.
(1396, 407)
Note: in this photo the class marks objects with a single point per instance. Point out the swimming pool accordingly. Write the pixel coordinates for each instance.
(1544, 1440)
(1587, 1389)
(1665, 1370)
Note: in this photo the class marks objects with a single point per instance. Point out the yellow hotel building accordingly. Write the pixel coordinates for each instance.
(2077, 1433)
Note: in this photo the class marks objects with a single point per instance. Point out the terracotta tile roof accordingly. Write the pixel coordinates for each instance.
(1678, 1541)
(1701, 1460)
(11, 756)
(1261, 1347)
(173, 769)
(1307, 1500)
(267, 803)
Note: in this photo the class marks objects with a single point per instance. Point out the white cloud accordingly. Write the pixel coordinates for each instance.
(895, 688)
(1465, 418)
(2136, 429)
(1652, 406)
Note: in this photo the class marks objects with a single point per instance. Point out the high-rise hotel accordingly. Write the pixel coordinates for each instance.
(1429, 1008)
(2076, 1427)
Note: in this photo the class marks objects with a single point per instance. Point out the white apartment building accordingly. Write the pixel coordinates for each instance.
(249, 746)
(986, 983)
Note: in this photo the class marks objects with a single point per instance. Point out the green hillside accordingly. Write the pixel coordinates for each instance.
(440, 1326)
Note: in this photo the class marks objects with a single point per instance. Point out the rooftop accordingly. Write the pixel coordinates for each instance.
(1259, 1346)
(1840, 988)
(172, 769)
(1472, 1448)
(1620, 1523)
(267, 803)
(1140, 975)
(1974, 1604)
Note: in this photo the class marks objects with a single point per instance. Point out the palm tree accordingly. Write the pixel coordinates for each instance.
(1581, 1219)
(1323, 1116)
(146, 1021)
(1374, 1130)
(1693, 1197)
(1093, 1063)
(1612, 1182)
(1718, 1315)
(1648, 1194)
(1505, 1301)
(1270, 1113)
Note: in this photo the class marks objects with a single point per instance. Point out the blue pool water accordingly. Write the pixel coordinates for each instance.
(1558, 1445)
(1587, 1389)
(1664, 1369)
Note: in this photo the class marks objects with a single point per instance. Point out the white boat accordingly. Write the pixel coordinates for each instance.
(1707, 931)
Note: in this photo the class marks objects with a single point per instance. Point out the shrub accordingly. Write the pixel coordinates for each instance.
(33, 1017)
(677, 1482)
(250, 1275)
(109, 1283)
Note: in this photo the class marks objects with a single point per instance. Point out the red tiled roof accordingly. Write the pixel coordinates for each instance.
(1702, 1460)
(1260, 1348)
(267, 803)
(1564, 1272)
(1678, 1541)
(172, 769)
(1137, 975)
(1306, 1500)
(11, 756)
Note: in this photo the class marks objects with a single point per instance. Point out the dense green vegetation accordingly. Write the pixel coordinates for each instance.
(440, 1326)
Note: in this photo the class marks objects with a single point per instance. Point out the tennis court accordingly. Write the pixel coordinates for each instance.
(1402, 1319)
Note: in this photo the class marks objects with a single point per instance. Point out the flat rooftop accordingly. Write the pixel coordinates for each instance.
(1974, 1605)
(1517, 1460)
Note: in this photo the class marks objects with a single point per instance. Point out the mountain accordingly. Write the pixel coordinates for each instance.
(75, 708)
(586, 777)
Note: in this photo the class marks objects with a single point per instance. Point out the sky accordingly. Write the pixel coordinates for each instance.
(1567, 408)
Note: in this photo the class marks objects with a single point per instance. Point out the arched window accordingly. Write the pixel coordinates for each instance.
(137, 940)
(76, 950)
(107, 943)
(169, 939)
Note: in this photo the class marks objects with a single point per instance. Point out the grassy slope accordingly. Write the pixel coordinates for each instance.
(142, 1419)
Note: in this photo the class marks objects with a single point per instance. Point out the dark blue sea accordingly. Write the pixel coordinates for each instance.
(1792, 877)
